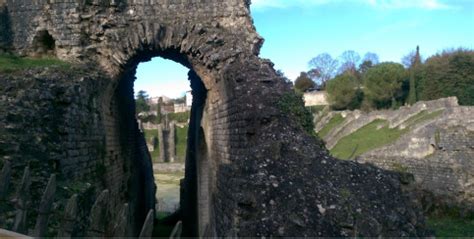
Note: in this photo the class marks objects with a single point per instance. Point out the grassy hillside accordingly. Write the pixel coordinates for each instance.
(333, 122)
(369, 137)
(373, 135)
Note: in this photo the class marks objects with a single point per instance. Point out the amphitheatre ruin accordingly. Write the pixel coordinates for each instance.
(74, 162)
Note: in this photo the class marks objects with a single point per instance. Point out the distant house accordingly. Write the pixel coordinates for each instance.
(178, 108)
(155, 100)
(189, 99)
(167, 108)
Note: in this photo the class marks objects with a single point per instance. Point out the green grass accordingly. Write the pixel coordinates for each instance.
(452, 227)
(181, 142)
(365, 139)
(333, 122)
(181, 117)
(369, 137)
(422, 116)
(10, 63)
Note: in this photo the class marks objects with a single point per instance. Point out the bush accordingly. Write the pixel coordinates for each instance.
(304, 83)
(383, 85)
(292, 104)
(344, 93)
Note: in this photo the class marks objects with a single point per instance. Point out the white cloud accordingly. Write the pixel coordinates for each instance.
(385, 4)
(397, 4)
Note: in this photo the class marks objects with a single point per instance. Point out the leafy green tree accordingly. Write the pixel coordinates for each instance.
(304, 83)
(450, 73)
(383, 84)
(344, 92)
(141, 102)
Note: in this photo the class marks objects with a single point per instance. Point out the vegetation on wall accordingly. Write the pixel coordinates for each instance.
(292, 104)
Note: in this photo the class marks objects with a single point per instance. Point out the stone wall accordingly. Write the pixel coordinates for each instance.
(439, 152)
(50, 121)
(250, 169)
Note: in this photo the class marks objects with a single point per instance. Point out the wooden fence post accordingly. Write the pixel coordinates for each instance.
(21, 202)
(121, 227)
(98, 215)
(147, 229)
(69, 218)
(4, 184)
(44, 210)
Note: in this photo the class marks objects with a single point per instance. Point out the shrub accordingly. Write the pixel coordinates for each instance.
(292, 104)
(344, 93)
(383, 85)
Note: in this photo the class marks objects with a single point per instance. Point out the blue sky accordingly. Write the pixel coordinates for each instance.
(297, 30)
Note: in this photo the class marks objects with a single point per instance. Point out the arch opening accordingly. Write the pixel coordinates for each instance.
(44, 43)
(128, 149)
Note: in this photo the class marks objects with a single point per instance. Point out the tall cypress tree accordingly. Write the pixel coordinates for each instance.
(415, 73)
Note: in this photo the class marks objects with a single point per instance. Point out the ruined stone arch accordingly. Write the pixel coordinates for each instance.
(267, 176)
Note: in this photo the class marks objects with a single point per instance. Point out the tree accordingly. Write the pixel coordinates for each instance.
(450, 73)
(370, 59)
(304, 83)
(343, 92)
(383, 84)
(323, 67)
(415, 75)
(141, 102)
(349, 62)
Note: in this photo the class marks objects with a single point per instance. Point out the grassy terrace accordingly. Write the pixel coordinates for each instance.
(333, 122)
(10, 63)
(423, 116)
(373, 135)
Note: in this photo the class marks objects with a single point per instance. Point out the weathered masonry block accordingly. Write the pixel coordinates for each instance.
(250, 169)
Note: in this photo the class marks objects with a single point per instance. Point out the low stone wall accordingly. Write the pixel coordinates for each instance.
(315, 98)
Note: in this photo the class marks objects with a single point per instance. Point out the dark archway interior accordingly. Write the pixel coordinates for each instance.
(141, 183)
(44, 43)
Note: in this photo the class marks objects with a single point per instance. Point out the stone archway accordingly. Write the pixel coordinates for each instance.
(266, 175)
